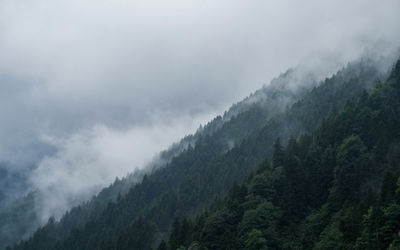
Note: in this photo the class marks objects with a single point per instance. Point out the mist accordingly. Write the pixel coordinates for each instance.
(91, 90)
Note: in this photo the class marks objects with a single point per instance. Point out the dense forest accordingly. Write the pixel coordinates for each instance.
(21, 218)
(326, 178)
(338, 188)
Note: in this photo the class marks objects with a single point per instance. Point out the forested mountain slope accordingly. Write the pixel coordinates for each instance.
(337, 188)
(202, 172)
(20, 218)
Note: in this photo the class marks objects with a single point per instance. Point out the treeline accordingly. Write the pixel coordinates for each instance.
(338, 188)
(21, 218)
(194, 179)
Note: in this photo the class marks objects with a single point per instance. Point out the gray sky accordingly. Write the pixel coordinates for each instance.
(106, 84)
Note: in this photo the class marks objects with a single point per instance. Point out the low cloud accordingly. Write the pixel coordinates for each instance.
(96, 88)
(90, 159)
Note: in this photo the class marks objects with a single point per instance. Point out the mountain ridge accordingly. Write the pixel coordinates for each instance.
(336, 188)
(205, 144)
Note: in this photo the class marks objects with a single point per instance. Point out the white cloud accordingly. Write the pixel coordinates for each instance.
(112, 81)
(91, 159)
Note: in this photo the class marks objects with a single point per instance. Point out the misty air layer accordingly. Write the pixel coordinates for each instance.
(199, 124)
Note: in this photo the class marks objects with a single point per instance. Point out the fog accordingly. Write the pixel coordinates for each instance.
(91, 90)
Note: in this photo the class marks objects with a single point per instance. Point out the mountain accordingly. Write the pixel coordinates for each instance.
(20, 218)
(336, 188)
(205, 165)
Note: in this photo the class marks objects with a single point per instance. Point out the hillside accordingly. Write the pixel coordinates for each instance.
(205, 170)
(337, 188)
(20, 218)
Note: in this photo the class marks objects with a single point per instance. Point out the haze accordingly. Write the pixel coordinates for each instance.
(91, 90)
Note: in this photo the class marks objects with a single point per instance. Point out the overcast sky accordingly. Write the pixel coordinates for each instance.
(106, 84)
